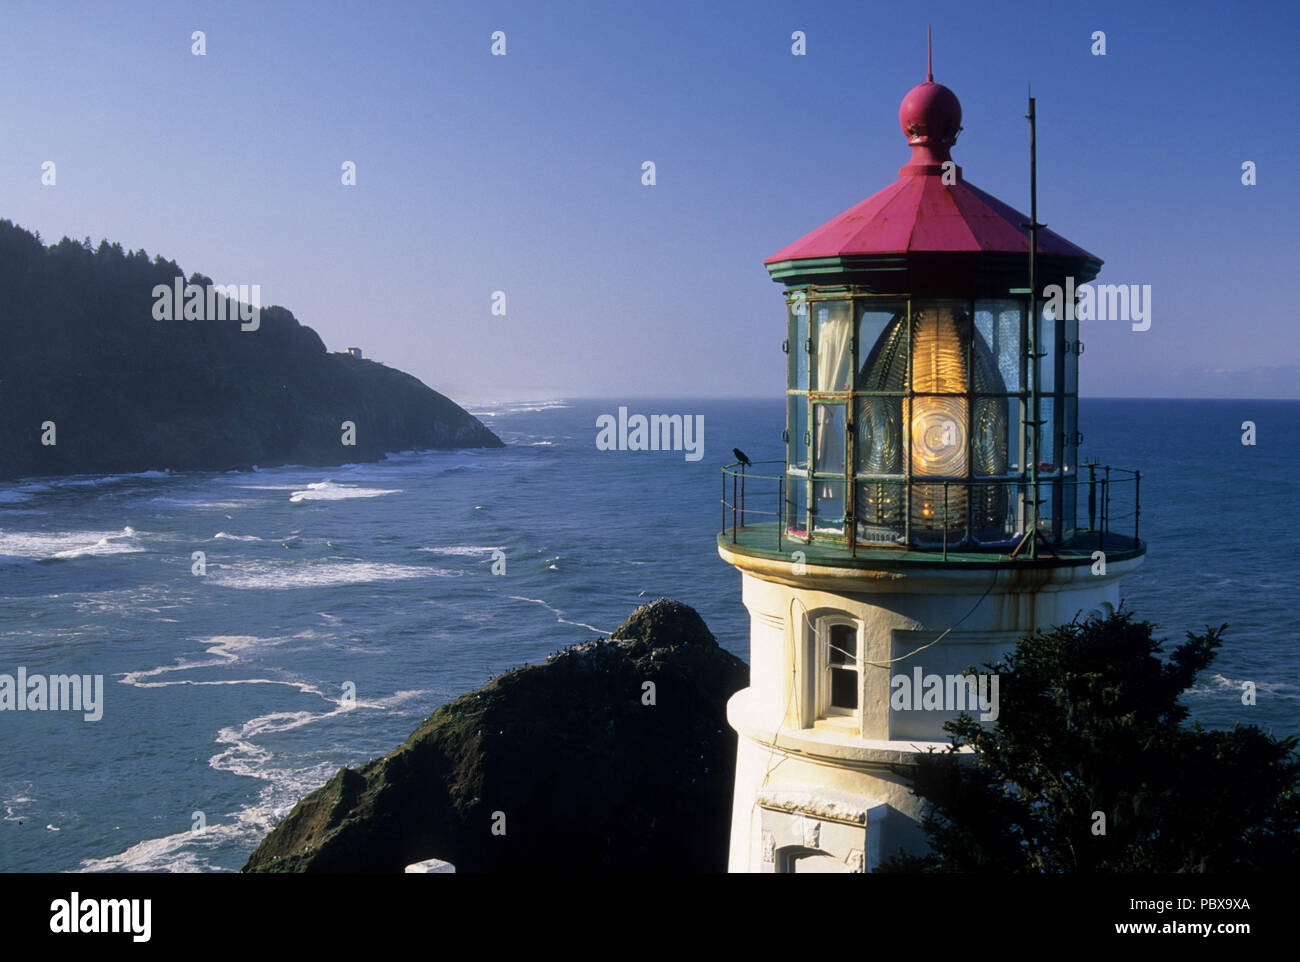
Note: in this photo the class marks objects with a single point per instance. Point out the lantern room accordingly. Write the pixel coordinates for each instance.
(928, 405)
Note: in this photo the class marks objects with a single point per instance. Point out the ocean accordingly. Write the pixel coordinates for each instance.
(340, 606)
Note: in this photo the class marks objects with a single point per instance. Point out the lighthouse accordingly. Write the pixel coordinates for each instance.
(931, 509)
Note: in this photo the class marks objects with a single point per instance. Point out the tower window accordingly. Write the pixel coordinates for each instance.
(841, 684)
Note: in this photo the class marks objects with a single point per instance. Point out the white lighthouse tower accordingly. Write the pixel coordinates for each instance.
(930, 511)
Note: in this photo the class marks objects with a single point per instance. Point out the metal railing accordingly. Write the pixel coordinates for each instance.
(1085, 509)
(737, 503)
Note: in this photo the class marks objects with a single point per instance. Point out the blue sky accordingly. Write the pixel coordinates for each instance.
(522, 173)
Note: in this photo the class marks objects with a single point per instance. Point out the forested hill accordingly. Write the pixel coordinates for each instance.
(92, 382)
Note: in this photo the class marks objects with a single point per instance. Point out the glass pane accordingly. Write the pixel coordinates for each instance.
(874, 318)
(797, 377)
(843, 645)
(831, 347)
(1047, 347)
(796, 506)
(798, 428)
(940, 336)
(1050, 437)
(828, 438)
(936, 519)
(879, 512)
(1048, 514)
(1069, 507)
(1016, 441)
(990, 435)
(844, 688)
(878, 444)
(883, 356)
(997, 325)
(1071, 349)
(1044, 518)
(1070, 418)
(937, 436)
(1021, 507)
(993, 512)
(828, 501)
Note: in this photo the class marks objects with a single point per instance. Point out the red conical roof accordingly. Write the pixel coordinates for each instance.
(919, 212)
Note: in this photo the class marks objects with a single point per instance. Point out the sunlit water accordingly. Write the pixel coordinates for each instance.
(225, 693)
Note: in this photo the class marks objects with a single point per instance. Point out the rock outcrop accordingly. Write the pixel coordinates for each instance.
(615, 755)
(81, 350)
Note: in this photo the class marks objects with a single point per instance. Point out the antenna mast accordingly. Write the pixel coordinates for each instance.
(1035, 412)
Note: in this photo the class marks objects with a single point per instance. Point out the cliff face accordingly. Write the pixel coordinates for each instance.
(80, 347)
(567, 758)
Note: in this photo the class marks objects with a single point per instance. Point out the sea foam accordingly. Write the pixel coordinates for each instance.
(45, 545)
(324, 574)
(329, 491)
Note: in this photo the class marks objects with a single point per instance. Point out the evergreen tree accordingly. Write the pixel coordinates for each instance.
(1090, 767)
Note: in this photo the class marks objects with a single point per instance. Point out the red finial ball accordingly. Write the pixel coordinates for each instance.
(930, 115)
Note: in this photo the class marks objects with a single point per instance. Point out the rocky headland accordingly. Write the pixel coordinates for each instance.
(92, 382)
(614, 755)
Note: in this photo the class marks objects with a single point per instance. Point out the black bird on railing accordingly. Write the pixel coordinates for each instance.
(743, 458)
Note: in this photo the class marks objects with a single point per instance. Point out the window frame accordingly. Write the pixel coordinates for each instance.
(825, 709)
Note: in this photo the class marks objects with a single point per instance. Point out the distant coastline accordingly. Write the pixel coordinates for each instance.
(92, 382)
